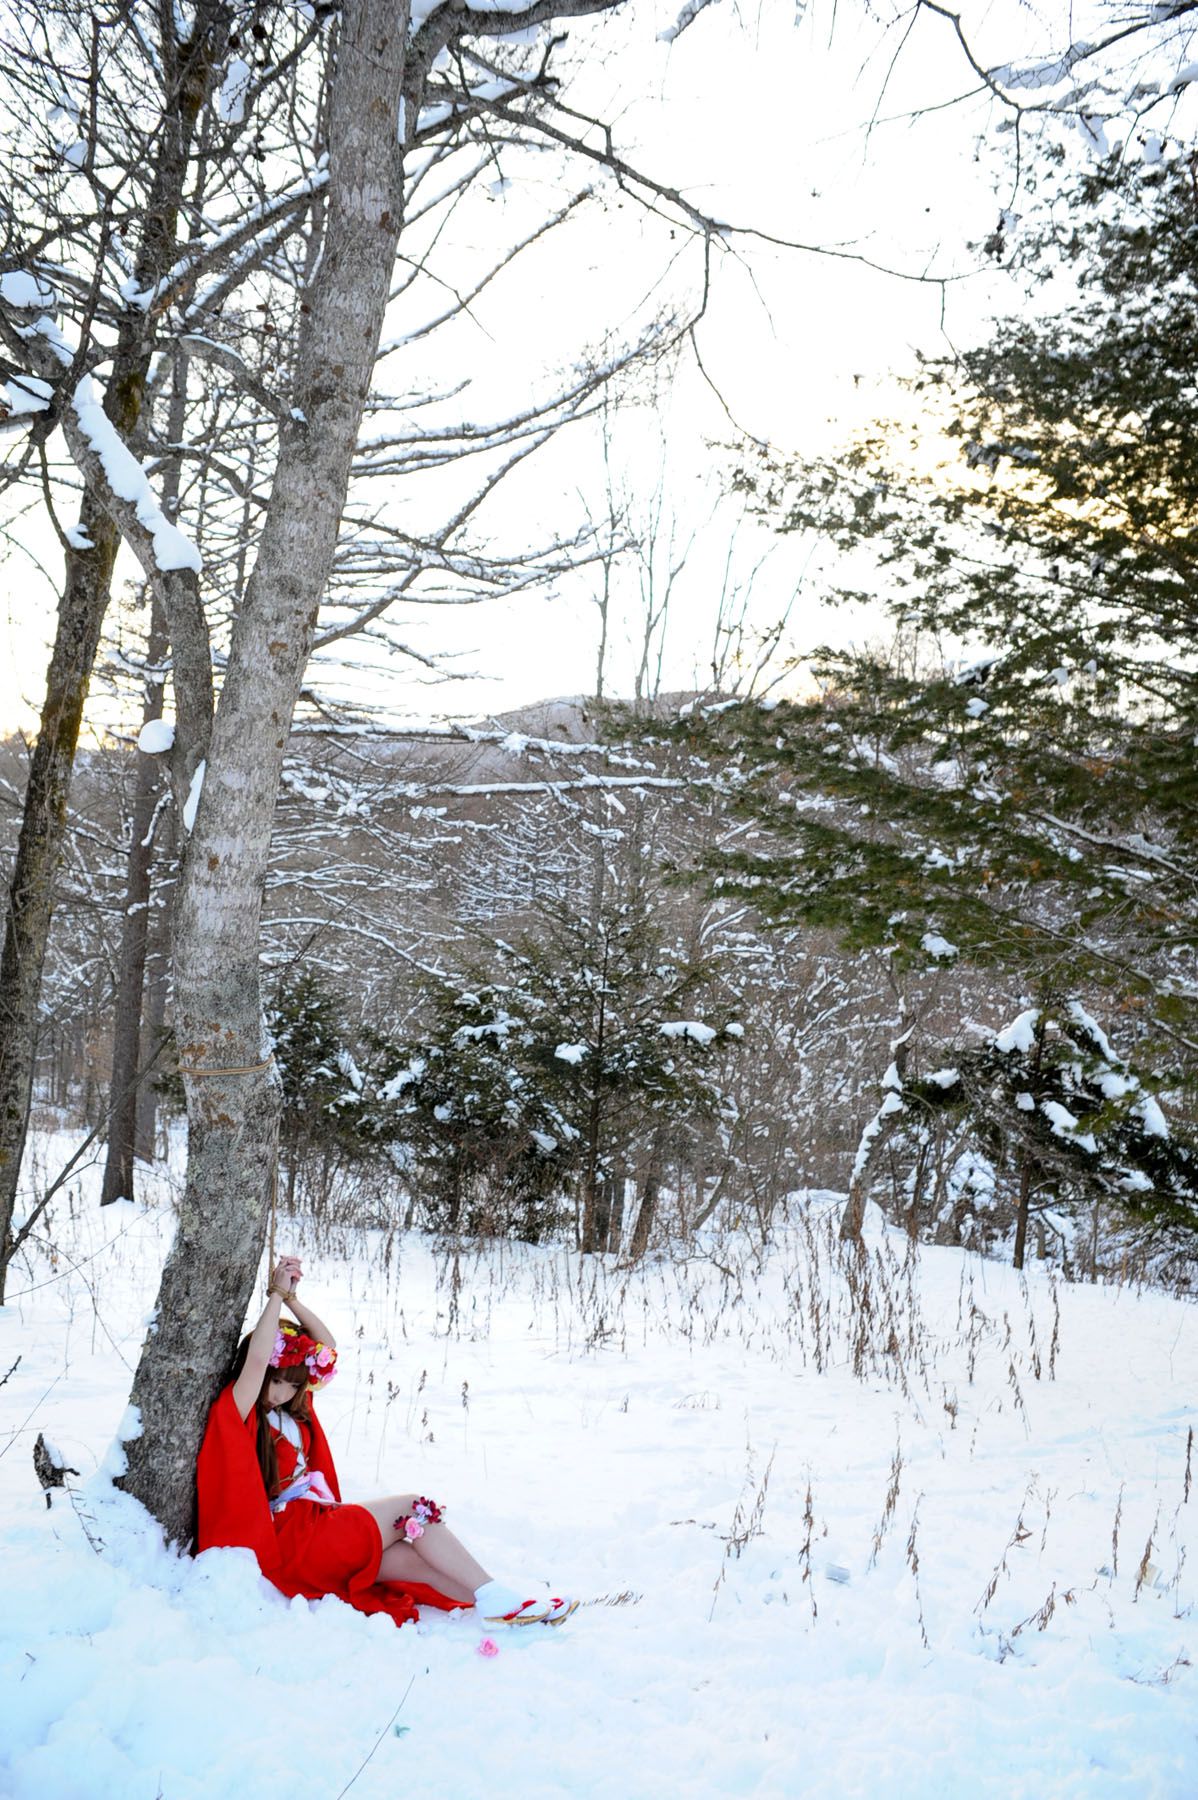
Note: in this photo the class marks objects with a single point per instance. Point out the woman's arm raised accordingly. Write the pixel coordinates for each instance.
(248, 1384)
(314, 1326)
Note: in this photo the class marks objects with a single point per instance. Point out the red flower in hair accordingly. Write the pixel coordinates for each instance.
(294, 1348)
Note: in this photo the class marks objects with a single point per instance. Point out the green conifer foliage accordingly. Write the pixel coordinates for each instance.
(1018, 777)
(321, 1084)
(1048, 1102)
(535, 1089)
(1011, 785)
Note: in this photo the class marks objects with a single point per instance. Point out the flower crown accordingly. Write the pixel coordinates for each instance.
(294, 1347)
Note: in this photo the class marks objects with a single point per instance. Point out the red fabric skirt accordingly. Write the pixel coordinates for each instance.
(337, 1550)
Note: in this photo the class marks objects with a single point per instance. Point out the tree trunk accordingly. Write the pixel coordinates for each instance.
(603, 1200)
(233, 1118)
(590, 1176)
(84, 601)
(874, 1138)
(646, 1212)
(591, 1240)
(1021, 1214)
(39, 848)
(157, 981)
(873, 1141)
(129, 1042)
(1025, 1163)
(135, 936)
(616, 1203)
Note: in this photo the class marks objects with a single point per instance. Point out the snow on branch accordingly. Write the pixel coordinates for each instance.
(1042, 74)
(686, 17)
(692, 1029)
(434, 23)
(422, 790)
(242, 241)
(350, 925)
(127, 481)
(103, 457)
(206, 349)
(516, 743)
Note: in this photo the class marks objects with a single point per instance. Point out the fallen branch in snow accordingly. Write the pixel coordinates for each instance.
(49, 1465)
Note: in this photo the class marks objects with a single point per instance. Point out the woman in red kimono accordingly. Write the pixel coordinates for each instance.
(266, 1480)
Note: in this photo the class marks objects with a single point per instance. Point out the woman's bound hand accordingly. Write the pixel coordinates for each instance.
(286, 1275)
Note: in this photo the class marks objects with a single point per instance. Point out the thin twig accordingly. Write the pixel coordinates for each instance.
(378, 1740)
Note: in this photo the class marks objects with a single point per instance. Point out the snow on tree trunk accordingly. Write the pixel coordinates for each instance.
(233, 1120)
(873, 1141)
(646, 1212)
(153, 1016)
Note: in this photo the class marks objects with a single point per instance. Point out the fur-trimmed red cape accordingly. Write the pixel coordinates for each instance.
(233, 1510)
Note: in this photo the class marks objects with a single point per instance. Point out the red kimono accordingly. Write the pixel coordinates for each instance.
(306, 1548)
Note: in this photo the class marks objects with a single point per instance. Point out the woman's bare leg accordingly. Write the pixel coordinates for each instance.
(443, 1561)
(401, 1563)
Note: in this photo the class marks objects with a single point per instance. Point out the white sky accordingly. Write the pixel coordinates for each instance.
(762, 120)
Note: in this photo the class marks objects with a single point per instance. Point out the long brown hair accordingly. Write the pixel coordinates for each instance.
(297, 1406)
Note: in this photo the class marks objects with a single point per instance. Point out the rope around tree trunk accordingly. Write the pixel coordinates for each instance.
(251, 1069)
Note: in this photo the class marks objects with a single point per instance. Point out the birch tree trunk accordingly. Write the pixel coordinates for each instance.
(233, 1118)
(646, 1212)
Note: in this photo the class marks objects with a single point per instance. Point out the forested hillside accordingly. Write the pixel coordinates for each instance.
(508, 995)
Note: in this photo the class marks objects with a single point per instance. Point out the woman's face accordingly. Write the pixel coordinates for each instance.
(279, 1393)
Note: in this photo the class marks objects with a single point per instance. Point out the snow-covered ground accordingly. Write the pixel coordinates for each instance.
(960, 1571)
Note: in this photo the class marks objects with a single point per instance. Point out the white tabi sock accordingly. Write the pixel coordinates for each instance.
(496, 1598)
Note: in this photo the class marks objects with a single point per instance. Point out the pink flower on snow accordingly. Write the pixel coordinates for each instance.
(488, 1647)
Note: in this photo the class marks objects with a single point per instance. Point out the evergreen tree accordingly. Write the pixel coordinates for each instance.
(461, 1119)
(553, 1075)
(321, 1083)
(1028, 806)
(1049, 1102)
